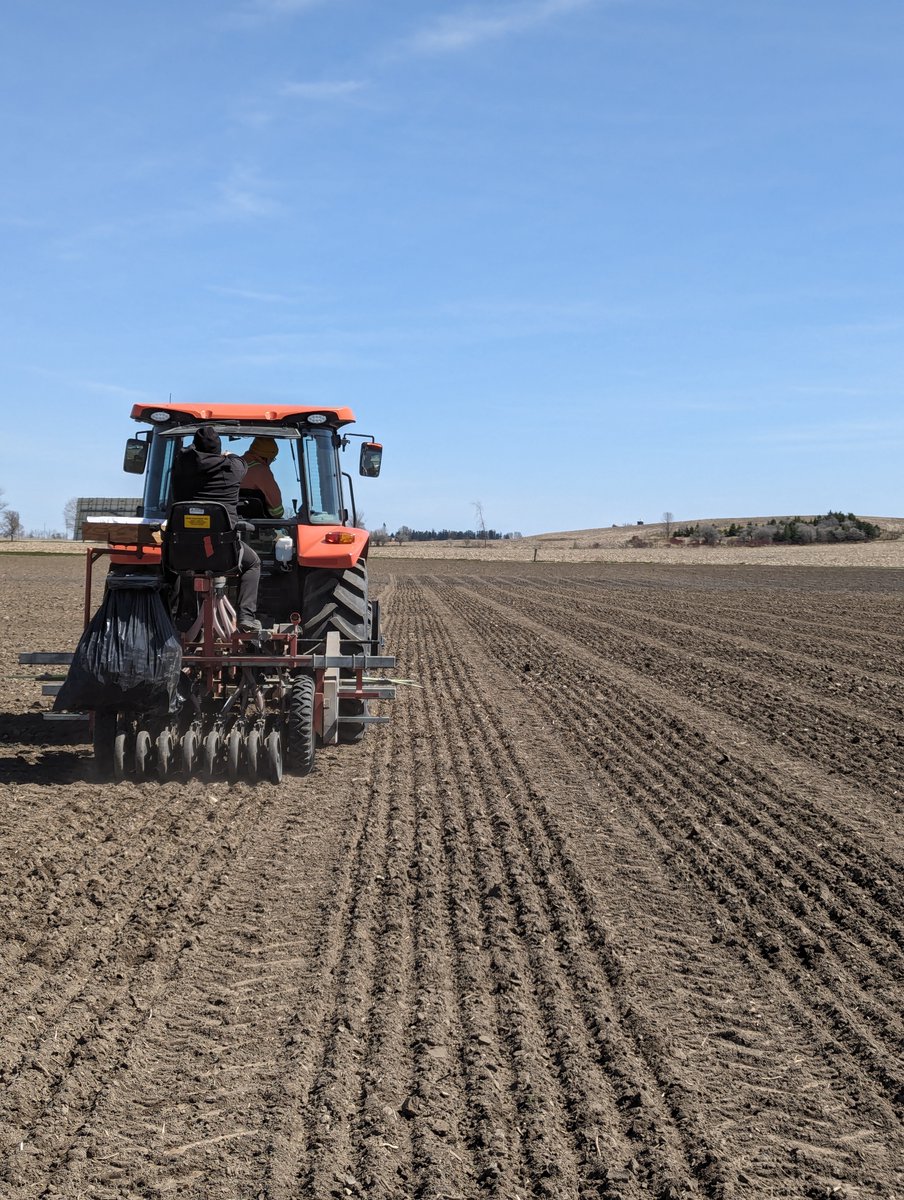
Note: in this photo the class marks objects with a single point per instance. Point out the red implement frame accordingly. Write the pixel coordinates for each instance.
(216, 655)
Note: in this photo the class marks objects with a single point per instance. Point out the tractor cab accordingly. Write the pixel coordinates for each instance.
(306, 468)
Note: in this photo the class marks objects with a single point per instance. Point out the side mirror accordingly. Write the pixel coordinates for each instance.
(371, 457)
(136, 456)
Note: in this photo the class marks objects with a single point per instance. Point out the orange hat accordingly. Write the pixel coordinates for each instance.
(265, 448)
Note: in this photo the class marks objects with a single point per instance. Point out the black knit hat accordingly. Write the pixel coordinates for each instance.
(207, 440)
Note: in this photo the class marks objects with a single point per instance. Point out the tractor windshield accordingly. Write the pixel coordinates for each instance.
(312, 457)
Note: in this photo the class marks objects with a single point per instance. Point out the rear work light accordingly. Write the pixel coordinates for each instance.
(339, 539)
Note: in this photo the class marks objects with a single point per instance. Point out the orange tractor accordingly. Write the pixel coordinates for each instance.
(243, 704)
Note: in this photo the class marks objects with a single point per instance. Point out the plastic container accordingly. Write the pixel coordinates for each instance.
(283, 549)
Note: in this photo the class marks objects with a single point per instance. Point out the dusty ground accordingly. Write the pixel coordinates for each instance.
(611, 909)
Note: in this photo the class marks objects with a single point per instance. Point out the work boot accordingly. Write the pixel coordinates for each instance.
(250, 625)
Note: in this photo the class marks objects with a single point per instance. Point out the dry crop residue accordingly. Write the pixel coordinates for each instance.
(612, 908)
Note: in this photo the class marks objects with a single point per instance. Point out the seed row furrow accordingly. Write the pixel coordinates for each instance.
(601, 1070)
(648, 782)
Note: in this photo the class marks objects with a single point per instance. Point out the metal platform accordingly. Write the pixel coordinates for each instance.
(332, 662)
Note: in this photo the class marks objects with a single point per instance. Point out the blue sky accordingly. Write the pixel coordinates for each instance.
(581, 260)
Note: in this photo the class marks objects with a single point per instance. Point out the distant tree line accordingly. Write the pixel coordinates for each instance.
(406, 534)
(705, 535)
(448, 535)
(828, 527)
(799, 531)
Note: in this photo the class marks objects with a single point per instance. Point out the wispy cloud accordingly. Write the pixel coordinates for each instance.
(245, 193)
(328, 347)
(305, 352)
(262, 109)
(838, 391)
(284, 7)
(323, 343)
(837, 435)
(17, 222)
(242, 194)
(459, 31)
(322, 90)
(502, 317)
(253, 12)
(878, 326)
(80, 383)
(251, 294)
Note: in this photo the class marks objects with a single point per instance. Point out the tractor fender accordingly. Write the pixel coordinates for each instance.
(315, 551)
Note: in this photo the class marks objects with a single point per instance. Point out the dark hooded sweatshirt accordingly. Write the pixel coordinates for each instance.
(201, 472)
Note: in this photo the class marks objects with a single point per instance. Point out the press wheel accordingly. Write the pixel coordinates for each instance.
(142, 753)
(234, 755)
(121, 748)
(189, 752)
(252, 754)
(211, 754)
(164, 753)
(273, 746)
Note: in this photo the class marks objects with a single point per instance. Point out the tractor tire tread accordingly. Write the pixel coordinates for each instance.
(300, 738)
(337, 600)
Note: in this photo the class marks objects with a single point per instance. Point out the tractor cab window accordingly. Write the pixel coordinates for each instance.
(321, 474)
(157, 479)
(271, 485)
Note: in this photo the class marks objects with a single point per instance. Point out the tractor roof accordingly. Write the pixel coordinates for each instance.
(260, 414)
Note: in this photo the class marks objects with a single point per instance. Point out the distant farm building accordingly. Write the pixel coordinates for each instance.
(103, 506)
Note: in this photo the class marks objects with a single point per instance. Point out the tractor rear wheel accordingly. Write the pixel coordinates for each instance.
(300, 725)
(338, 600)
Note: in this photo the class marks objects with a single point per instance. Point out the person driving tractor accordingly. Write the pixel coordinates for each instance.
(202, 472)
(259, 477)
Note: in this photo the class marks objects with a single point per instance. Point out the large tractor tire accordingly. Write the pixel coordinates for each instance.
(338, 600)
(300, 738)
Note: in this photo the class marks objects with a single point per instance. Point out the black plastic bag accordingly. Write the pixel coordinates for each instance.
(129, 657)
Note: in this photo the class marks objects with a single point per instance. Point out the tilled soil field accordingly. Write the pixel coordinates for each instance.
(611, 909)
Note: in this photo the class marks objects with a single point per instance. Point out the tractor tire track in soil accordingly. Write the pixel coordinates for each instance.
(611, 909)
